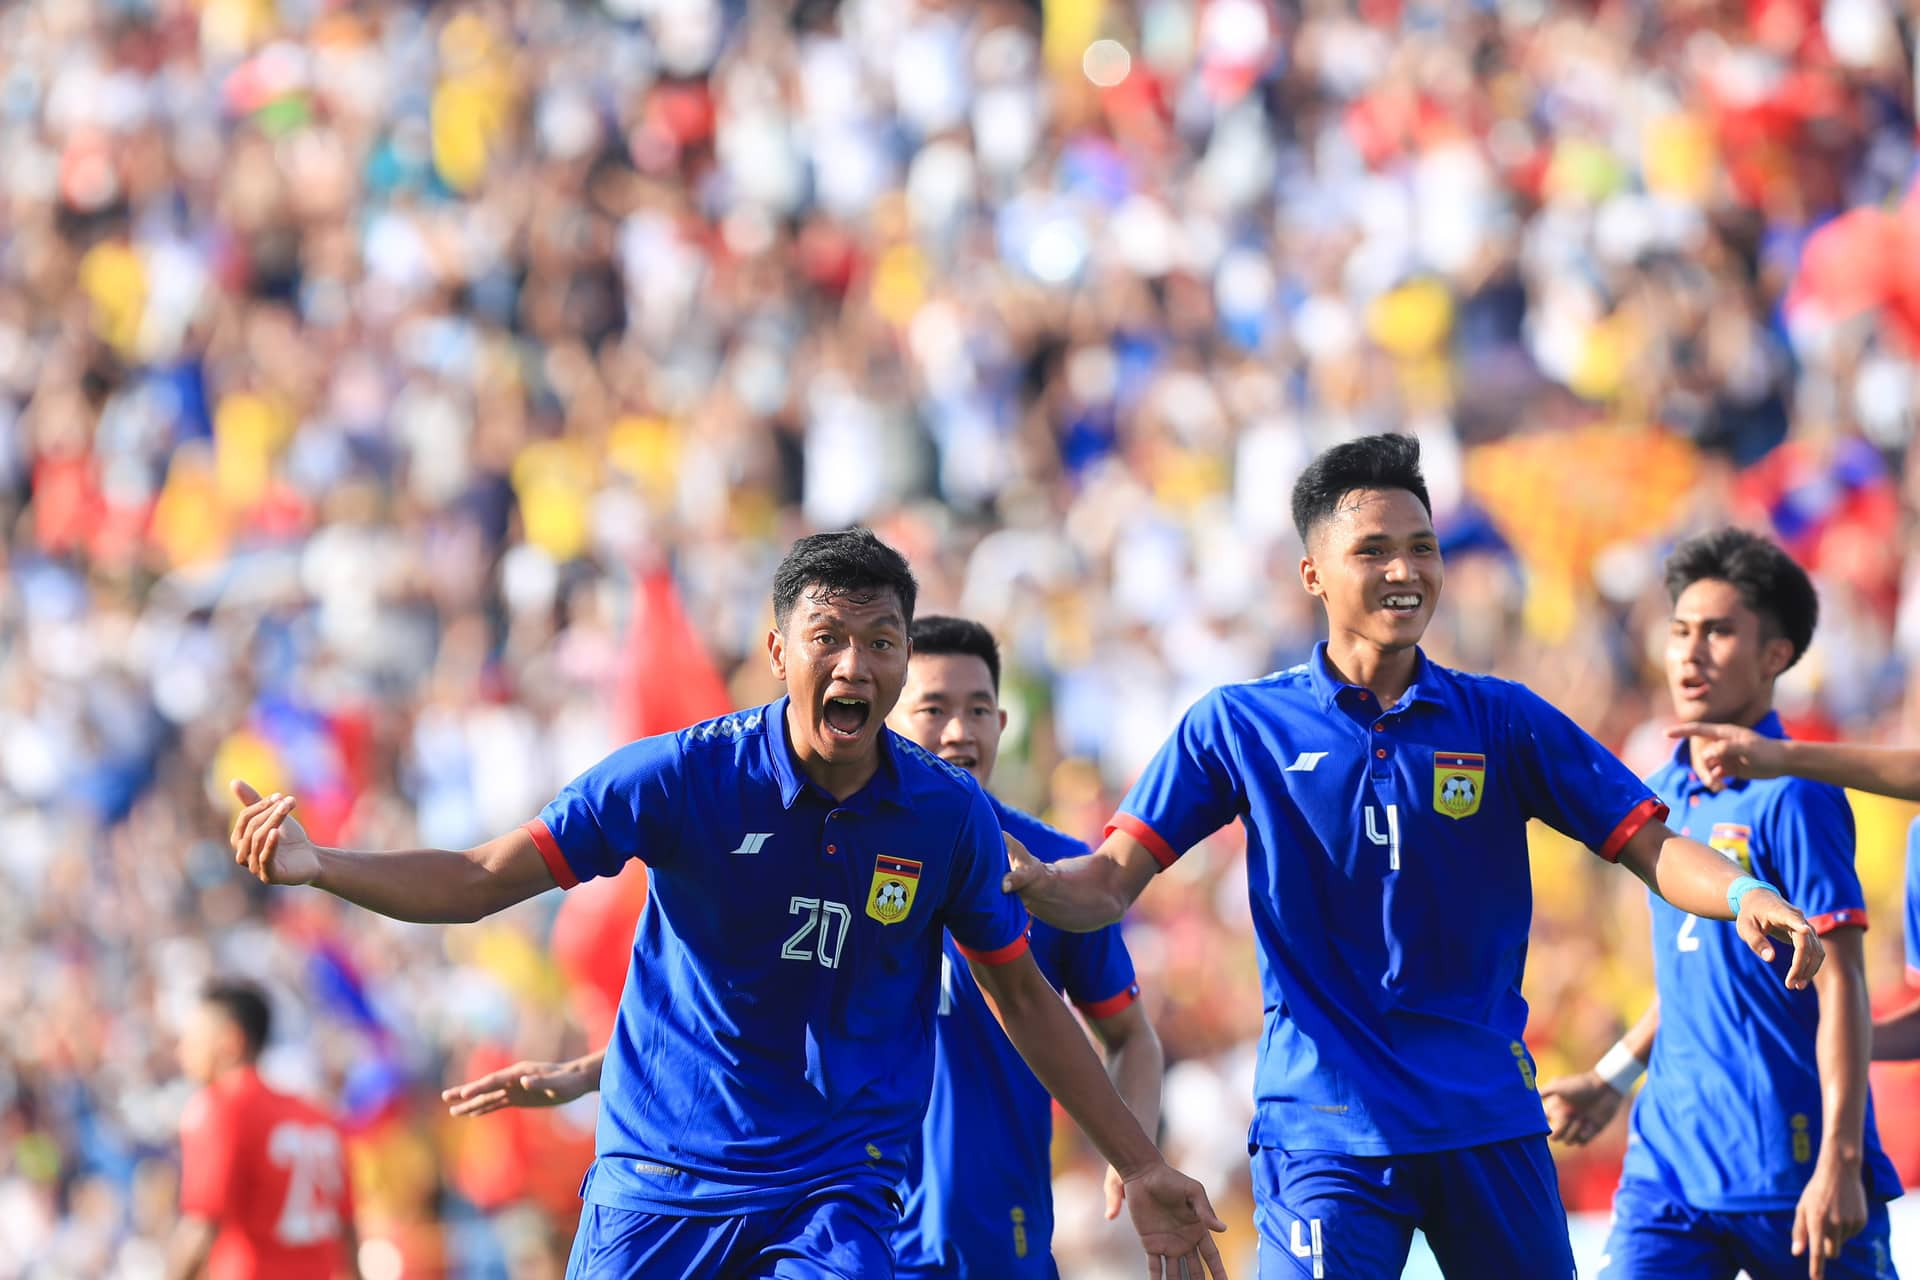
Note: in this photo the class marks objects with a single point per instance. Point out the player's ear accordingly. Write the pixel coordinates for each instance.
(1003, 719)
(1310, 576)
(777, 654)
(1776, 656)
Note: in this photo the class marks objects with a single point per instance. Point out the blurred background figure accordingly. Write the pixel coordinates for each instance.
(385, 387)
(264, 1186)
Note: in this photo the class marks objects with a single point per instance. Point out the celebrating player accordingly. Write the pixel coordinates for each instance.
(1754, 1141)
(979, 1203)
(1735, 751)
(1385, 801)
(773, 1054)
(264, 1193)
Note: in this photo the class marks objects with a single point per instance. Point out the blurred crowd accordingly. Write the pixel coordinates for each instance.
(400, 402)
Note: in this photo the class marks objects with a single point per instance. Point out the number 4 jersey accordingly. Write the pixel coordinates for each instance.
(776, 1031)
(270, 1171)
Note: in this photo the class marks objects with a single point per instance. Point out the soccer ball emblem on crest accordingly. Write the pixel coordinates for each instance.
(1457, 791)
(1459, 781)
(890, 901)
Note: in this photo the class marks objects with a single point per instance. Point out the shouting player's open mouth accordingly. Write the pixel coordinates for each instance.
(847, 717)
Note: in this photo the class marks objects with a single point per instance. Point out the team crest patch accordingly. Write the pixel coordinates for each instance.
(1736, 841)
(1458, 779)
(891, 897)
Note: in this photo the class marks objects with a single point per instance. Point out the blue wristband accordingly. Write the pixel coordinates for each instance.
(1738, 890)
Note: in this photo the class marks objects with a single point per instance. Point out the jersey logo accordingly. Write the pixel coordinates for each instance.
(1735, 841)
(891, 897)
(1306, 762)
(1459, 778)
(753, 841)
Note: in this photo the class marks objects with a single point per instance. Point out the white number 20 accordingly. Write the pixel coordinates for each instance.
(310, 1153)
(818, 920)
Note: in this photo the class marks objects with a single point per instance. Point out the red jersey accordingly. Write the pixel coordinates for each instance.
(270, 1171)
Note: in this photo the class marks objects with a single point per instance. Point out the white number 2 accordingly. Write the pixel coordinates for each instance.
(1390, 837)
(310, 1153)
(822, 916)
(1686, 941)
(1314, 1247)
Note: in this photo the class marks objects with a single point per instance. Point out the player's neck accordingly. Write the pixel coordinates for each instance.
(1385, 673)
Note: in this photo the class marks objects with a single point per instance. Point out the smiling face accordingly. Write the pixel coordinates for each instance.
(1722, 658)
(843, 658)
(1375, 562)
(949, 706)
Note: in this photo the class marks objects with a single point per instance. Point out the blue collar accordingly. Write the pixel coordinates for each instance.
(885, 787)
(1428, 681)
(1769, 726)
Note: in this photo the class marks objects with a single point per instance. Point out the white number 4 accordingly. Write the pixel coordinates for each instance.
(821, 916)
(1313, 1248)
(1686, 940)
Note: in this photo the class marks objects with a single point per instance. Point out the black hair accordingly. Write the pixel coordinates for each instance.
(1768, 580)
(244, 1005)
(852, 564)
(1371, 462)
(938, 634)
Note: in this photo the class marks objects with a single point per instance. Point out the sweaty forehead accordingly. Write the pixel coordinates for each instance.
(1373, 513)
(1710, 598)
(948, 675)
(865, 607)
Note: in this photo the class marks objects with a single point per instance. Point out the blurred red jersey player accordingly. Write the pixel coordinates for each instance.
(264, 1190)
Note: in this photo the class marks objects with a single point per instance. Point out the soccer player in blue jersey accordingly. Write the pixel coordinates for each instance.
(979, 1199)
(1754, 1142)
(763, 1089)
(1385, 801)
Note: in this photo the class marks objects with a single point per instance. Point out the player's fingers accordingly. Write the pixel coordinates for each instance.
(1156, 1267)
(243, 791)
(1203, 1210)
(1116, 1189)
(243, 822)
(486, 1104)
(1799, 1230)
(1816, 1247)
(1807, 955)
(1754, 936)
(1210, 1254)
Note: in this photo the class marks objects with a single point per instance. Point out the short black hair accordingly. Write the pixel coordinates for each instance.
(851, 563)
(244, 1005)
(938, 634)
(1371, 462)
(1769, 581)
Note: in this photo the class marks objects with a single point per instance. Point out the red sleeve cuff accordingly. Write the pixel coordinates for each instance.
(999, 955)
(1648, 810)
(1112, 1004)
(1825, 924)
(1162, 851)
(550, 854)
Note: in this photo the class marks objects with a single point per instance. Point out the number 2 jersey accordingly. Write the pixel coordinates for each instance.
(1390, 888)
(775, 1034)
(270, 1171)
(1730, 1118)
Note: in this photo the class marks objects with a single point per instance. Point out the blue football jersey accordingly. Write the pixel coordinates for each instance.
(1730, 1118)
(1913, 903)
(776, 1030)
(980, 1194)
(1389, 884)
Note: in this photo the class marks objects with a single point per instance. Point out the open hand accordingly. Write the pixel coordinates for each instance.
(1175, 1221)
(1832, 1210)
(1765, 915)
(524, 1084)
(268, 842)
(1579, 1107)
(1023, 869)
(1722, 751)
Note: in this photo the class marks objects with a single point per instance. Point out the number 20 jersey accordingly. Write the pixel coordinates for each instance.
(1390, 888)
(775, 1035)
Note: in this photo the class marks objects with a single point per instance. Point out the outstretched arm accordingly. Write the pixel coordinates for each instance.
(1081, 894)
(526, 1084)
(1698, 881)
(1833, 1206)
(1580, 1106)
(1722, 751)
(1136, 1064)
(433, 886)
(1170, 1210)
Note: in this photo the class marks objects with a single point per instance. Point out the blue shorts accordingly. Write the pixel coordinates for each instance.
(1655, 1236)
(1487, 1211)
(838, 1233)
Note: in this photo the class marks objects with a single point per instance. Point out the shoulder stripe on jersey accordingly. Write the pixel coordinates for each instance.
(1648, 810)
(1162, 851)
(1827, 923)
(550, 854)
(1112, 1004)
(999, 955)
